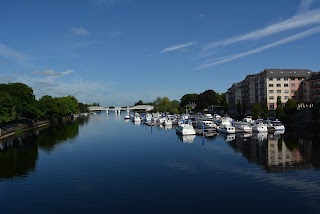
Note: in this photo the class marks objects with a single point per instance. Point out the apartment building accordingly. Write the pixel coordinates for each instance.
(267, 85)
(311, 88)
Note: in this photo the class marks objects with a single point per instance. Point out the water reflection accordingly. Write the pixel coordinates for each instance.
(19, 154)
(277, 152)
(186, 138)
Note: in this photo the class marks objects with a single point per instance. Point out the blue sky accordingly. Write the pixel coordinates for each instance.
(117, 52)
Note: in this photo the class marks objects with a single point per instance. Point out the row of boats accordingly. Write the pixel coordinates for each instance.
(207, 123)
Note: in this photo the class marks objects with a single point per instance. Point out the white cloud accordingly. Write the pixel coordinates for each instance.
(177, 47)
(49, 73)
(80, 31)
(308, 18)
(304, 5)
(302, 35)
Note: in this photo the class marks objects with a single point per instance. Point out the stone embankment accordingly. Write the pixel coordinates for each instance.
(18, 128)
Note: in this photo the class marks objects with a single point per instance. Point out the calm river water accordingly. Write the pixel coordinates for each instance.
(103, 164)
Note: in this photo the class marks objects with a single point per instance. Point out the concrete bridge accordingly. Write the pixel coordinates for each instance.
(117, 110)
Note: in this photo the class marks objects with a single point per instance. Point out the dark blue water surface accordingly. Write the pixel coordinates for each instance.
(103, 164)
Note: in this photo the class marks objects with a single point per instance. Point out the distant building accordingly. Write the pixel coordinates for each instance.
(311, 88)
(267, 85)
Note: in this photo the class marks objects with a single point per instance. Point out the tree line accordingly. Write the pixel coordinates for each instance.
(202, 101)
(17, 102)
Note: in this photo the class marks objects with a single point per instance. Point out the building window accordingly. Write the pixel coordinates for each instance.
(292, 91)
(270, 78)
(285, 78)
(278, 85)
(286, 91)
(278, 78)
(278, 91)
(271, 91)
(299, 78)
(286, 97)
(271, 97)
(292, 78)
(293, 85)
(270, 85)
(286, 85)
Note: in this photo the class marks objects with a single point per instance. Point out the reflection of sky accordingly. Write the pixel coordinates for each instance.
(116, 161)
(303, 181)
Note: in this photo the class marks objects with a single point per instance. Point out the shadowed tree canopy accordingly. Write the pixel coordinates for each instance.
(206, 99)
(188, 98)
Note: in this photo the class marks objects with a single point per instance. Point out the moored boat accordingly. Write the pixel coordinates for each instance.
(185, 129)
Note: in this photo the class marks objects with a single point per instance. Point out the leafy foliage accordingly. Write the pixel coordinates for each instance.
(279, 109)
(17, 101)
(290, 108)
(188, 98)
(206, 99)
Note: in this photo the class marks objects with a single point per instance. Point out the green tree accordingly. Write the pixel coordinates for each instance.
(244, 108)
(7, 112)
(265, 111)
(188, 98)
(139, 103)
(239, 107)
(315, 112)
(205, 99)
(256, 110)
(279, 110)
(290, 107)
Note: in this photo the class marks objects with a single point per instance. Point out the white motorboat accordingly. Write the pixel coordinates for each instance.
(127, 117)
(278, 125)
(136, 118)
(206, 124)
(228, 129)
(243, 126)
(248, 119)
(259, 126)
(167, 123)
(185, 129)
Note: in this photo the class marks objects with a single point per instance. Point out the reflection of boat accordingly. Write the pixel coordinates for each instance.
(259, 126)
(137, 122)
(260, 135)
(230, 137)
(185, 129)
(168, 127)
(186, 138)
(244, 135)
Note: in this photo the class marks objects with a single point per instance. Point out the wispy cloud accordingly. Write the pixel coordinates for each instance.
(10, 53)
(304, 5)
(79, 31)
(308, 18)
(49, 73)
(177, 47)
(213, 62)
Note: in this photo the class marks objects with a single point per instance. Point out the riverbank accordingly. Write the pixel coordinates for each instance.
(19, 128)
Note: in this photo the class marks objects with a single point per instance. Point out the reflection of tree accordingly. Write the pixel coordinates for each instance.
(52, 136)
(18, 156)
